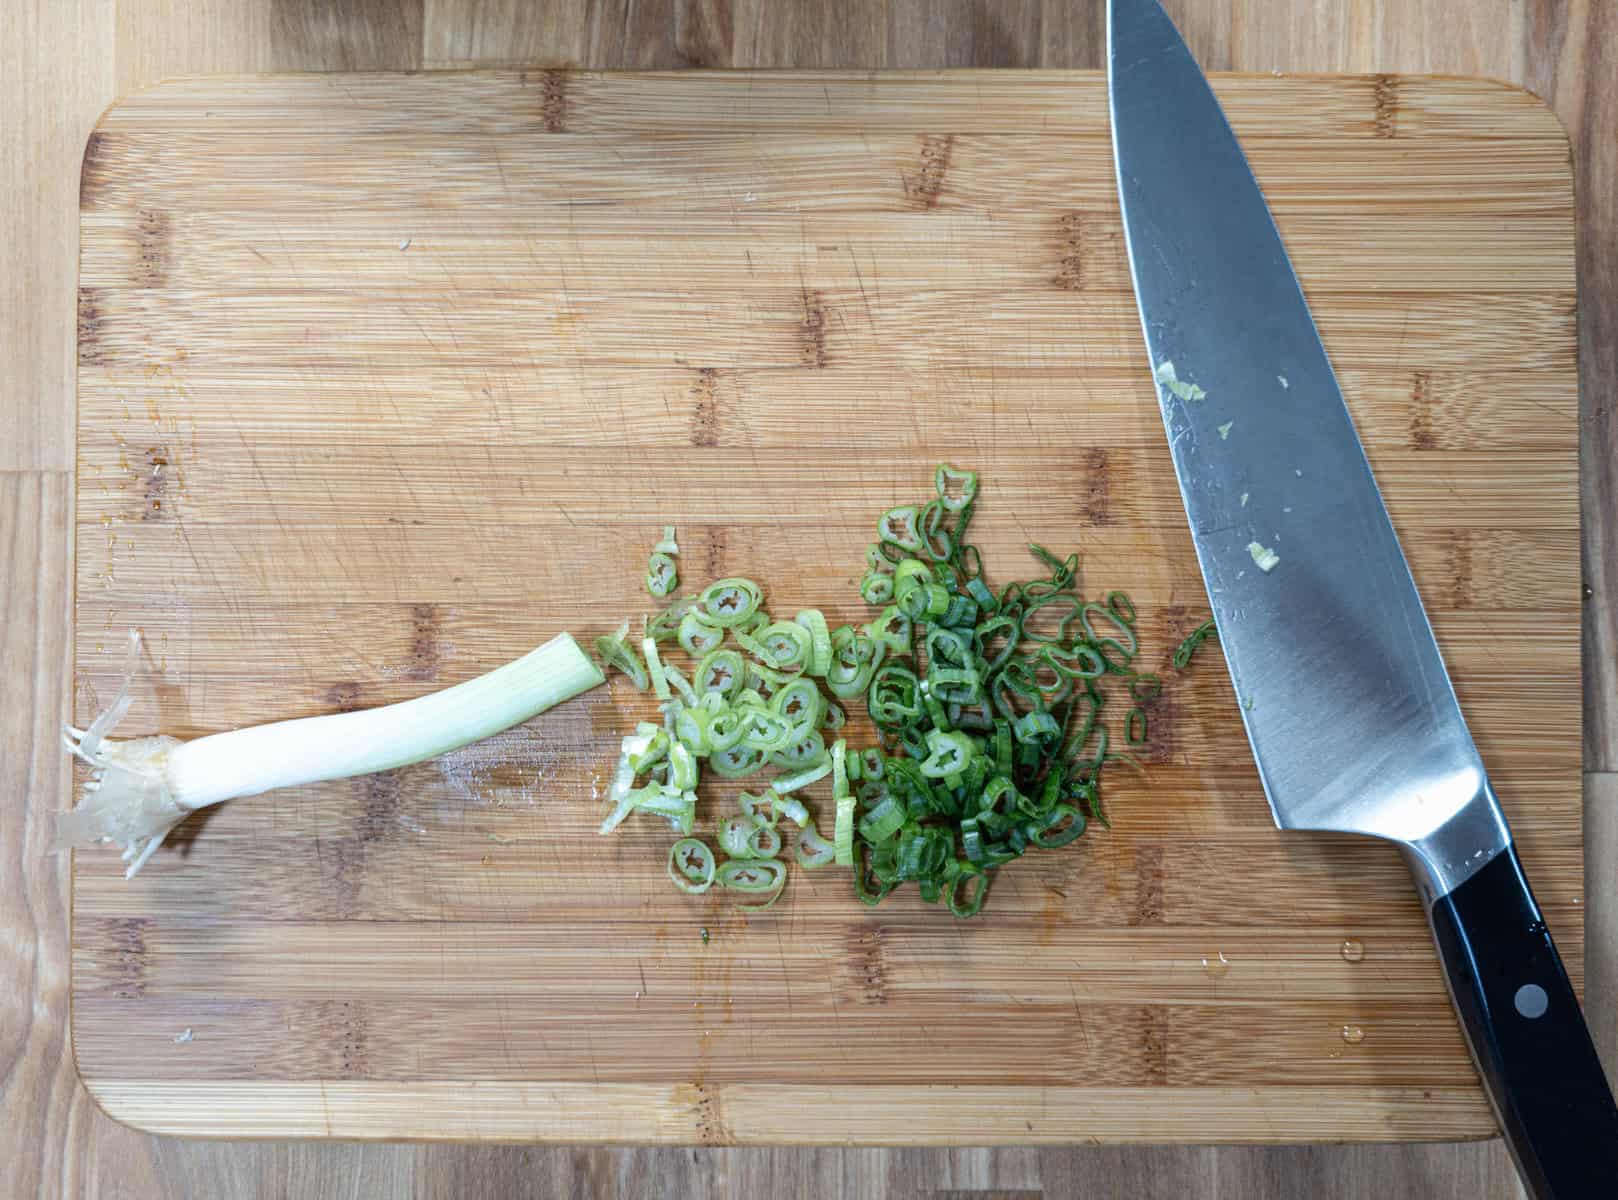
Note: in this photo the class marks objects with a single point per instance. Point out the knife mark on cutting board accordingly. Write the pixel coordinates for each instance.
(923, 185)
(1070, 242)
(705, 408)
(1422, 436)
(1096, 506)
(425, 651)
(1459, 564)
(91, 352)
(1148, 886)
(553, 104)
(1154, 1043)
(154, 248)
(866, 963)
(1386, 99)
(812, 329)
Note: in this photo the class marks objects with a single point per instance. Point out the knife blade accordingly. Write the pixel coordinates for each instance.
(1347, 704)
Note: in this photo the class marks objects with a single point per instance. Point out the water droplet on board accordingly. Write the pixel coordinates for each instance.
(1353, 950)
(1353, 1034)
(1217, 967)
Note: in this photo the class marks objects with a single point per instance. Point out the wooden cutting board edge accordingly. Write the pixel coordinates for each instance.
(744, 1114)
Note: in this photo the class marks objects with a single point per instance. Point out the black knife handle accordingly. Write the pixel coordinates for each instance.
(1527, 1034)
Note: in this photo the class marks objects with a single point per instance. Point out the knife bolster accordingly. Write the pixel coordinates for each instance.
(1444, 859)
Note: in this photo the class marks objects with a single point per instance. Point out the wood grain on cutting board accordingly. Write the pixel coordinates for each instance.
(384, 379)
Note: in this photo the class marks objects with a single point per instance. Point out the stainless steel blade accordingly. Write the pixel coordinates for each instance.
(1348, 706)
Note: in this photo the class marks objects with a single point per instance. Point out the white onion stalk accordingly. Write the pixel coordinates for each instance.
(141, 788)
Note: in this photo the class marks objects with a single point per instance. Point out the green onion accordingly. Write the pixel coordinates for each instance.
(140, 788)
(843, 839)
(792, 809)
(987, 704)
(755, 877)
(730, 602)
(691, 865)
(800, 779)
(734, 832)
(654, 668)
(662, 577)
(813, 851)
(1182, 656)
(698, 634)
(615, 654)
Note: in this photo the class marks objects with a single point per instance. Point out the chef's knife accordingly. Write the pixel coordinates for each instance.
(1348, 707)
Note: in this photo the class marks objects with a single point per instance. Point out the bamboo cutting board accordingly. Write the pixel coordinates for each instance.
(385, 379)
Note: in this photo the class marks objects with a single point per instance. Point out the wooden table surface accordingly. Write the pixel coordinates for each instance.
(66, 59)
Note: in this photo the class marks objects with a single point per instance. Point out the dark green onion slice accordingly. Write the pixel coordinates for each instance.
(1135, 727)
(899, 525)
(956, 489)
(1182, 656)
(1145, 688)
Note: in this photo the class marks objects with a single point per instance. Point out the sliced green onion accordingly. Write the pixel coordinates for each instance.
(883, 821)
(734, 832)
(662, 576)
(898, 525)
(737, 761)
(786, 645)
(792, 809)
(698, 635)
(876, 588)
(615, 654)
(682, 767)
(839, 769)
(723, 672)
(754, 877)
(1145, 688)
(803, 778)
(810, 748)
(843, 836)
(763, 842)
(956, 489)
(691, 865)
(813, 851)
(731, 602)
(654, 668)
(759, 807)
(814, 621)
(1182, 655)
